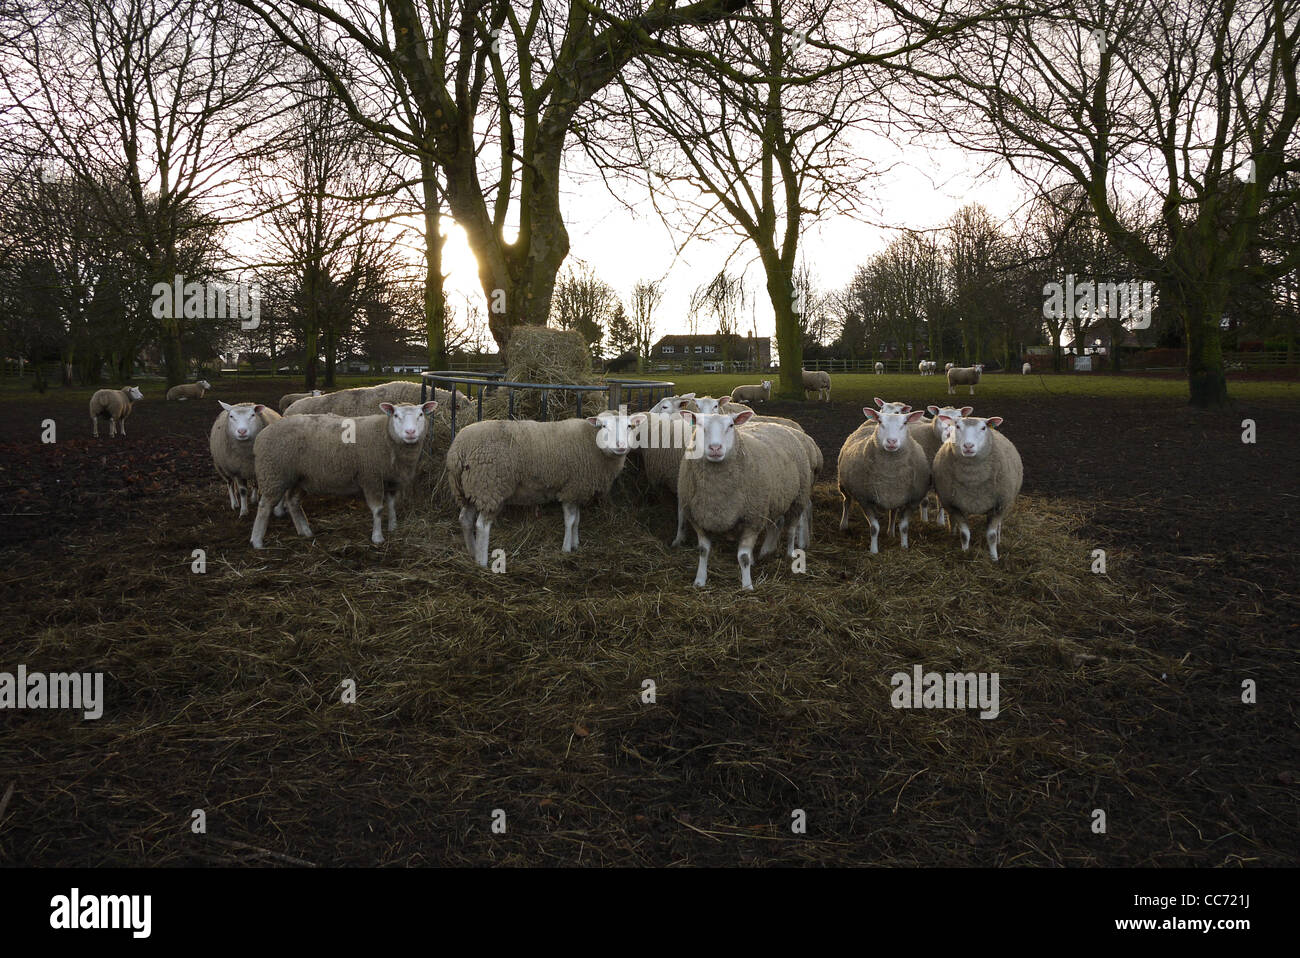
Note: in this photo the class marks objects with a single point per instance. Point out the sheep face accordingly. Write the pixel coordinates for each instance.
(708, 405)
(204, 383)
(715, 433)
(614, 431)
(892, 407)
(949, 413)
(891, 427)
(133, 392)
(970, 434)
(243, 423)
(406, 423)
(671, 405)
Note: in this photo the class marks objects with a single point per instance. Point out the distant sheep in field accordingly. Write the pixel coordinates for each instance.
(1025, 369)
(189, 390)
(817, 380)
(760, 393)
(115, 406)
(964, 376)
(880, 369)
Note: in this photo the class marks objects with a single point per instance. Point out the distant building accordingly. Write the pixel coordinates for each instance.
(709, 353)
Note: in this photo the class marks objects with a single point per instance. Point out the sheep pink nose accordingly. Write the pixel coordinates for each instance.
(968, 447)
(715, 447)
(891, 443)
(242, 432)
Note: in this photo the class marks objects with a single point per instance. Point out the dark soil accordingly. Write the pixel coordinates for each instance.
(1203, 523)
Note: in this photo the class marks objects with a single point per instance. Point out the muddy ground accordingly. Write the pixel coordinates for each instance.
(1204, 523)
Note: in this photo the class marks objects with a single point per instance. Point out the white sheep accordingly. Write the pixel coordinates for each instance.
(189, 390)
(288, 399)
(375, 456)
(1025, 369)
(978, 471)
(759, 393)
(883, 468)
(748, 481)
(231, 444)
(964, 376)
(115, 405)
(880, 369)
(817, 380)
(669, 405)
(361, 401)
(890, 407)
(498, 463)
(948, 366)
(930, 434)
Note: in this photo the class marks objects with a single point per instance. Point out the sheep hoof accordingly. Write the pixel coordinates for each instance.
(699, 583)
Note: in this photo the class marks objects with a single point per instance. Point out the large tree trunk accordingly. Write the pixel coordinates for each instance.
(789, 339)
(1207, 386)
(435, 303)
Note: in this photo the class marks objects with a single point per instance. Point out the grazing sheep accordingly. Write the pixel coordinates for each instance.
(978, 471)
(498, 463)
(964, 376)
(361, 401)
(880, 369)
(1025, 369)
(189, 390)
(759, 393)
(231, 444)
(819, 381)
(288, 399)
(115, 405)
(375, 456)
(749, 481)
(882, 467)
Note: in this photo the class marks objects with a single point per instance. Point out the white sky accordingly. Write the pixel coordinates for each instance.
(921, 190)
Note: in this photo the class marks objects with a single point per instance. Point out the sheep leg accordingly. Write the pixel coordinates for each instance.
(963, 528)
(925, 508)
(121, 427)
(375, 500)
(467, 516)
(792, 543)
(280, 509)
(903, 519)
(260, 523)
(391, 499)
(848, 507)
(233, 492)
(993, 535)
(745, 558)
(242, 488)
(94, 425)
(483, 527)
(680, 538)
(570, 527)
(874, 522)
(293, 502)
(805, 526)
(702, 570)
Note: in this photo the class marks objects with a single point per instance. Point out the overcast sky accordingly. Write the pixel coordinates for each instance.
(921, 189)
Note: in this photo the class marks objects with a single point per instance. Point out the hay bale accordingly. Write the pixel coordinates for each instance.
(542, 354)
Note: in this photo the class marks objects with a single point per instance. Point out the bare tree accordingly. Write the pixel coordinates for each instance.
(646, 297)
(1195, 102)
(585, 302)
(496, 90)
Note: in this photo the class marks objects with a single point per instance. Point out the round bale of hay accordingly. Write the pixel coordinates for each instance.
(543, 354)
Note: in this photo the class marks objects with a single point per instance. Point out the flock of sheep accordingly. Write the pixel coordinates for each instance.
(731, 471)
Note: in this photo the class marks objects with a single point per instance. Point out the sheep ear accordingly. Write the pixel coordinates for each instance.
(870, 414)
(257, 409)
(932, 410)
(724, 400)
(742, 417)
(994, 421)
(947, 420)
(594, 420)
(880, 403)
(386, 407)
(907, 408)
(967, 410)
(914, 417)
(687, 415)
(429, 407)
(636, 420)
(686, 396)
(226, 406)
